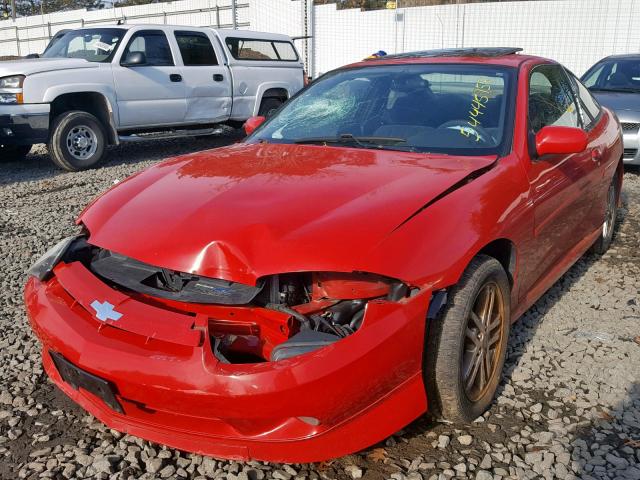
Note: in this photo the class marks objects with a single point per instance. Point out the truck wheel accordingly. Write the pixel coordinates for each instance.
(14, 153)
(466, 345)
(78, 141)
(269, 106)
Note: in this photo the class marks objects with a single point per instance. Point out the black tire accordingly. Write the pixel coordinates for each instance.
(447, 344)
(603, 242)
(78, 141)
(14, 153)
(268, 106)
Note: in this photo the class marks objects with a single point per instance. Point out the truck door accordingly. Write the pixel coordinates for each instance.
(207, 80)
(152, 91)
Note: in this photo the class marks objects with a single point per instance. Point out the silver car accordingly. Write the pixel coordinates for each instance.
(615, 82)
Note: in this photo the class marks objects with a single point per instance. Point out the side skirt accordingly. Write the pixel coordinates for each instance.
(554, 274)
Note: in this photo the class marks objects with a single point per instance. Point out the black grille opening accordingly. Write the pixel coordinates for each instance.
(630, 127)
(164, 283)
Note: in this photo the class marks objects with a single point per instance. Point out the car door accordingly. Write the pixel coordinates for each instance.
(151, 93)
(207, 81)
(600, 153)
(558, 183)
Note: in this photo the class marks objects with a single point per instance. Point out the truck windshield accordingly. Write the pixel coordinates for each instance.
(92, 44)
(462, 109)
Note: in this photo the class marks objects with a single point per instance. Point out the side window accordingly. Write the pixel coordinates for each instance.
(257, 49)
(590, 106)
(196, 49)
(550, 99)
(286, 51)
(154, 45)
(250, 49)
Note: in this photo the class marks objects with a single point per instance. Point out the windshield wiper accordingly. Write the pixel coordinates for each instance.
(348, 138)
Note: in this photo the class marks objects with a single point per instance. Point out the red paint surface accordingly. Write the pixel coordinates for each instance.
(246, 211)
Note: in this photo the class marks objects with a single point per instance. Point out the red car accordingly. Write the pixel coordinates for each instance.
(354, 263)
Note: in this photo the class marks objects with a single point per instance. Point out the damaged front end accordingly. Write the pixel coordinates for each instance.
(282, 316)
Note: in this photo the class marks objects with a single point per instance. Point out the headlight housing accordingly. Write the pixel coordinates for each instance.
(44, 266)
(14, 81)
(11, 89)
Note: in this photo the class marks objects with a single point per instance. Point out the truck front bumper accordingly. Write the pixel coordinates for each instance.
(24, 124)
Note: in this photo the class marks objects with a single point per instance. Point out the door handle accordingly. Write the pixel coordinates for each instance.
(175, 77)
(596, 155)
(218, 77)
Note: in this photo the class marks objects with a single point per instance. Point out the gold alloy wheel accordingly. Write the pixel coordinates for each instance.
(483, 340)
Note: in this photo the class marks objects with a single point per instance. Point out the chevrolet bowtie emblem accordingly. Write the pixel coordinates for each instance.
(105, 311)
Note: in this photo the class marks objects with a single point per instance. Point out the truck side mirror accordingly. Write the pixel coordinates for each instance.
(252, 124)
(134, 59)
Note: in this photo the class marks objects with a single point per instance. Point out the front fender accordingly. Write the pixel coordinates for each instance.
(106, 91)
(435, 246)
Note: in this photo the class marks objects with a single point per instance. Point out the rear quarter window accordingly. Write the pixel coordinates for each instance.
(261, 50)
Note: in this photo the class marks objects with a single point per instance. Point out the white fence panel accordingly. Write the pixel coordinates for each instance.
(574, 32)
(31, 34)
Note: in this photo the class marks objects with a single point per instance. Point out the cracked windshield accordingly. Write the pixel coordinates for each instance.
(454, 109)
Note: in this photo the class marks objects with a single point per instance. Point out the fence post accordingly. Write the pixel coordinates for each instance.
(18, 40)
(312, 22)
(234, 18)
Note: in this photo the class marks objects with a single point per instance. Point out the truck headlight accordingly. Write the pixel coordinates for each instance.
(11, 89)
(15, 81)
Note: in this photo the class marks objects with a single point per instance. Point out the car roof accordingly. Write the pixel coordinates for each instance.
(622, 56)
(504, 56)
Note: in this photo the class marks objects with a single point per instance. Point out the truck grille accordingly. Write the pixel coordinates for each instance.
(630, 152)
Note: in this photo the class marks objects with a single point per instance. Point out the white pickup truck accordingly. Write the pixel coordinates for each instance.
(99, 86)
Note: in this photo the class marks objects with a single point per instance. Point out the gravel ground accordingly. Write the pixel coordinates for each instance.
(568, 405)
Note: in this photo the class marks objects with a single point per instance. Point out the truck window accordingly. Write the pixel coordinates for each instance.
(286, 51)
(195, 48)
(256, 49)
(154, 45)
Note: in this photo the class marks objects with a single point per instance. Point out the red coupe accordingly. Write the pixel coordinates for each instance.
(354, 263)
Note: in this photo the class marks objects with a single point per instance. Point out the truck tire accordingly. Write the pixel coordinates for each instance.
(466, 345)
(268, 106)
(78, 141)
(14, 153)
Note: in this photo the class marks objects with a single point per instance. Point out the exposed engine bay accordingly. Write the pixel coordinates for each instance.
(282, 316)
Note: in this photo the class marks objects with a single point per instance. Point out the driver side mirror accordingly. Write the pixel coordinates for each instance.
(560, 140)
(252, 124)
(134, 59)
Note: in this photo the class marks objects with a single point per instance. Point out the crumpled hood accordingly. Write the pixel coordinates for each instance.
(249, 210)
(40, 65)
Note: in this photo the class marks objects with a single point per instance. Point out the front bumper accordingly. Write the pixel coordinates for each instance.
(631, 139)
(320, 405)
(25, 124)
